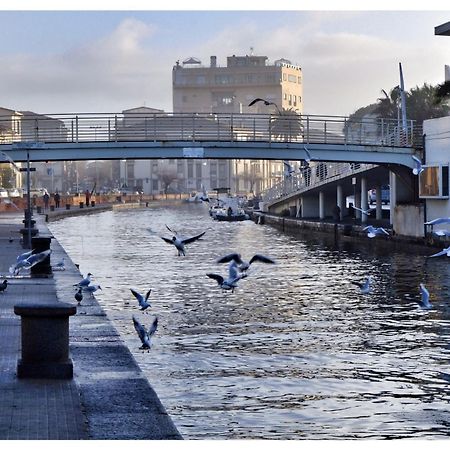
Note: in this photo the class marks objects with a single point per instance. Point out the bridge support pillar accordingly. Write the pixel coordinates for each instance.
(392, 196)
(357, 203)
(340, 200)
(309, 206)
(321, 205)
(378, 202)
(364, 205)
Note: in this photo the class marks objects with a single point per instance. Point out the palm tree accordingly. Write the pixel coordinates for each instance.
(443, 92)
(287, 126)
(388, 106)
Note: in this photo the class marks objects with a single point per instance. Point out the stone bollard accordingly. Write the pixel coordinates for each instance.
(92, 203)
(45, 340)
(67, 205)
(40, 244)
(52, 207)
(81, 204)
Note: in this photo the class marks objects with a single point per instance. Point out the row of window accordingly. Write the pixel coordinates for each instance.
(292, 99)
(249, 78)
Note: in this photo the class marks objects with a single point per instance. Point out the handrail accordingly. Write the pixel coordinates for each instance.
(234, 127)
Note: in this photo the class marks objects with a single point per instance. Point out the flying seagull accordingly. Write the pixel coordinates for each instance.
(143, 334)
(425, 302)
(38, 257)
(373, 231)
(367, 212)
(78, 296)
(441, 232)
(233, 277)
(256, 100)
(242, 265)
(143, 302)
(364, 287)
(180, 243)
(438, 221)
(288, 169)
(29, 262)
(445, 251)
(85, 281)
(3, 286)
(418, 169)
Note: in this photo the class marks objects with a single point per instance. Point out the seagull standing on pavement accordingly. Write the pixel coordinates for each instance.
(3, 286)
(61, 265)
(143, 302)
(91, 288)
(242, 265)
(85, 281)
(145, 335)
(179, 243)
(364, 287)
(425, 301)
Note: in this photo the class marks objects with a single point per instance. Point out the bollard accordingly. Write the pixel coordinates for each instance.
(81, 204)
(39, 209)
(45, 340)
(40, 244)
(67, 205)
(52, 207)
(92, 203)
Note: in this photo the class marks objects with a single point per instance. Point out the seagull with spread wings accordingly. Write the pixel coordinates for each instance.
(242, 265)
(180, 243)
(143, 301)
(145, 335)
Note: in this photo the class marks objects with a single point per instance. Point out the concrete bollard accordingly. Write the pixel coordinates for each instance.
(45, 340)
(81, 204)
(67, 206)
(40, 244)
(92, 203)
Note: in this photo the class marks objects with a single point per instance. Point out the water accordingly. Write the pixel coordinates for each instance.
(296, 352)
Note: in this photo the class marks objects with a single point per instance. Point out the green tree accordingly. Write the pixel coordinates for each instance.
(287, 126)
(443, 92)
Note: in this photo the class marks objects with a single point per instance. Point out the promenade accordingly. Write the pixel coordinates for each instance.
(108, 398)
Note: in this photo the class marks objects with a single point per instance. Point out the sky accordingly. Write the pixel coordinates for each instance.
(66, 61)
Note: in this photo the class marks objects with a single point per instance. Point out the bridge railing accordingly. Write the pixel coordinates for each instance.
(310, 177)
(197, 127)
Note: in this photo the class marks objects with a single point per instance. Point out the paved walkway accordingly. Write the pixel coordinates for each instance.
(108, 398)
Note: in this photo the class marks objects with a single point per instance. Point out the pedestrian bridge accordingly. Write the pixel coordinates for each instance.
(71, 137)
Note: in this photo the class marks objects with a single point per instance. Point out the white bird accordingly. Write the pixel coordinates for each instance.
(425, 302)
(91, 288)
(288, 169)
(29, 262)
(233, 277)
(438, 221)
(418, 169)
(364, 287)
(38, 257)
(61, 265)
(367, 212)
(442, 232)
(180, 243)
(16, 268)
(243, 266)
(85, 281)
(445, 251)
(10, 160)
(24, 256)
(143, 302)
(373, 231)
(143, 334)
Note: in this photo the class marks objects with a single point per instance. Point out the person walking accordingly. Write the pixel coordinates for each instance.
(87, 195)
(57, 199)
(46, 200)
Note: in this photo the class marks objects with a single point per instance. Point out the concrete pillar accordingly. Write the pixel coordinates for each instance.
(40, 244)
(340, 200)
(357, 203)
(310, 207)
(45, 340)
(321, 205)
(378, 202)
(364, 204)
(392, 195)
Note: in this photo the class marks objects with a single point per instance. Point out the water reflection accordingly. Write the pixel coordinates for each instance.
(296, 351)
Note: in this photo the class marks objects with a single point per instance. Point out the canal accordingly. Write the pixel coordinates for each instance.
(296, 352)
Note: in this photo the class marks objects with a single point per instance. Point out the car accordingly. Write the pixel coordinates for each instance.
(385, 195)
(3, 193)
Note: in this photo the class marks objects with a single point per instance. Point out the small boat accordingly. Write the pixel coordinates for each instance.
(224, 217)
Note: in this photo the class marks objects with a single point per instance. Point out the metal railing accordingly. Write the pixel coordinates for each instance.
(311, 177)
(195, 127)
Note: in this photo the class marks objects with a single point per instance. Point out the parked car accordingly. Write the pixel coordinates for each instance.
(385, 195)
(3, 193)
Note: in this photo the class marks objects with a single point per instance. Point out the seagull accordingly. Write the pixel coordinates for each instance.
(91, 288)
(364, 287)
(143, 334)
(242, 265)
(38, 257)
(24, 256)
(288, 169)
(256, 100)
(418, 169)
(78, 296)
(28, 262)
(16, 268)
(438, 221)
(425, 302)
(442, 232)
(143, 302)
(373, 231)
(85, 281)
(445, 251)
(61, 265)
(180, 243)
(3, 286)
(233, 277)
(367, 212)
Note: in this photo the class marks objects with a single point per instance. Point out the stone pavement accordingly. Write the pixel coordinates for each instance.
(108, 398)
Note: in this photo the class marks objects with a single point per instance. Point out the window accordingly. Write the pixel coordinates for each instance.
(434, 182)
(284, 77)
(154, 185)
(292, 78)
(299, 99)
(299, 80)
(285, 96)
(201, 79)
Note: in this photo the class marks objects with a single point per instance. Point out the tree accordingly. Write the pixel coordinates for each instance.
(388, 106)
(287, 125)
(167, 176)
(443, 91)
